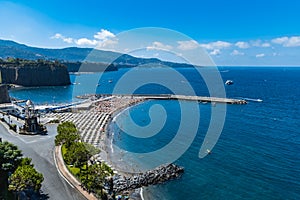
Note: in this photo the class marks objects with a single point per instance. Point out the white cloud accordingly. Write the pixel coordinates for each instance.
(104, 35)
(215, 52)
(259, 43)
(288, 41)
(85, 41)
(242, 45)
(63, 38)
(187, 45)
(56, 36)
(159, 45)
(255, 43)
(260, 55)
(237, 53)
(108, 43)
(216, 45)
(103, 38)
(266, 44)
(280, 40)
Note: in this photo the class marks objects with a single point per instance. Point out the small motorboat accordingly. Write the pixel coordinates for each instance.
(229, 82)
(208, 151)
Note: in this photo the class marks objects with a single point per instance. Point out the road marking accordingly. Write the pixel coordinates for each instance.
(59, 170)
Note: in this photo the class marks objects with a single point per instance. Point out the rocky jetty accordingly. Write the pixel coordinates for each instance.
(4, 96)
(34, 73)
(159, 175)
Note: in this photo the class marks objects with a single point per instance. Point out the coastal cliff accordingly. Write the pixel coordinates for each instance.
(33, 73)
(4, 97)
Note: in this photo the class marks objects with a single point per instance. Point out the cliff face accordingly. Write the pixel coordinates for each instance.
(35, 74)
(4, 96)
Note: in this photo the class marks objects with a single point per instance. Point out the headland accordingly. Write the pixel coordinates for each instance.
(30, 73)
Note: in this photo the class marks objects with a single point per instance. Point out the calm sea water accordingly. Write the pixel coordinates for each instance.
(258, 153)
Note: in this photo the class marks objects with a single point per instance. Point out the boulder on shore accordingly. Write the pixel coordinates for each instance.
(158, 175)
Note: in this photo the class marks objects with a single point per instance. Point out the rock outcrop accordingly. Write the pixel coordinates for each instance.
(34, 73)
(4, 96)
(160, 174)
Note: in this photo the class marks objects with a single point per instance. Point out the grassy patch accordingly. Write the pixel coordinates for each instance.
(74, 170)
(63, 150)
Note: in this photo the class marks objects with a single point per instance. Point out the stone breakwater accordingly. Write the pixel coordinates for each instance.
(158, 175)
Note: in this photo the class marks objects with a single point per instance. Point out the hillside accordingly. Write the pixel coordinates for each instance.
(74, 54)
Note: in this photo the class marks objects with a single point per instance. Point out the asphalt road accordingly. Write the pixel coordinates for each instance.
(40, 149)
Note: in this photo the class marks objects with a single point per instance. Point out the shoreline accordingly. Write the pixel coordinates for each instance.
(108, 150)
(108, 138)
(96, 127)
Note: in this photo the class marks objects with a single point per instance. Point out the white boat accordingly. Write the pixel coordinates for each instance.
(229, 82)
(208, 151)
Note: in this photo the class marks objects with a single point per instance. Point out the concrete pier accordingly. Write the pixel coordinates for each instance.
(192, 98)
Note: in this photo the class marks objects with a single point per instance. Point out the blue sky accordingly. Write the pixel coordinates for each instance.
(233, 32)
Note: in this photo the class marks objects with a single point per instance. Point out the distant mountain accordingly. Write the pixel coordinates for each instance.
(73, 54)
(16, 50)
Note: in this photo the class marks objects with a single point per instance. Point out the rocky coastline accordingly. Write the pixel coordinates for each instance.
(158, 175)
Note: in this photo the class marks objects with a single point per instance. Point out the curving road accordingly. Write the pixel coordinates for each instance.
(40, 149)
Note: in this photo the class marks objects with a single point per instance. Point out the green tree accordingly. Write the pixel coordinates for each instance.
(77, 154)
(10, 156)
(26, 179)
(95, 177)
(26, 161)
(23, 175)
(67, 134)
(91, 149)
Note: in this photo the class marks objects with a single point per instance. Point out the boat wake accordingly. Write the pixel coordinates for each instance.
(250, 99)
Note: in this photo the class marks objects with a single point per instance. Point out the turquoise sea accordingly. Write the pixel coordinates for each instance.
(258, 153)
